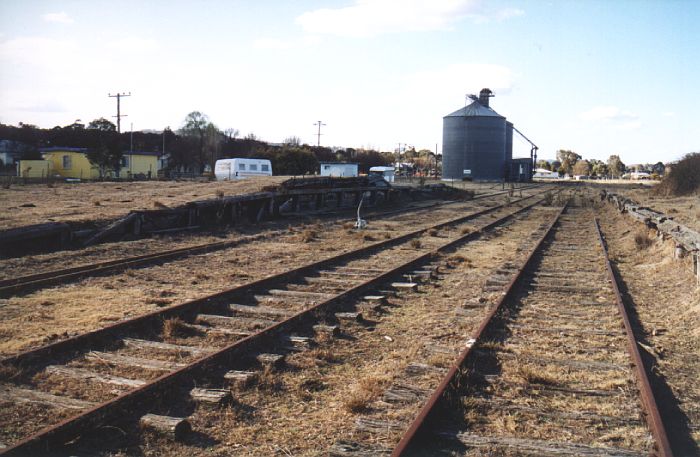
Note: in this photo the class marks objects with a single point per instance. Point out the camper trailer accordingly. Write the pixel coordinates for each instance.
(338, 169)
(386, 172)
(230, 169)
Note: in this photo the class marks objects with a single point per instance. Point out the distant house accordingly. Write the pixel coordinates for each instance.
(12, 151)
(543, 173)
(73, 163)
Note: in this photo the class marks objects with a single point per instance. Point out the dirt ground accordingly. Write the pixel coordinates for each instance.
(37, 203)
(685, 210)
(666, 298)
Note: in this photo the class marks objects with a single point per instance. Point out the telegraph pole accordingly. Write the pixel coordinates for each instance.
(119, 115)
(319, 131)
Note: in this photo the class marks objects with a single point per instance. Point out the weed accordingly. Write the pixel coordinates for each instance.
(387, 235)
(159, 205)
(548, 198)
(268, 380)
(642, 240)
(534, 376)
(308, 235)
(174, 327)
(433, 232)
(364, 393)
(415, 244)
(96, 202)
(219, 194)
(465, 231)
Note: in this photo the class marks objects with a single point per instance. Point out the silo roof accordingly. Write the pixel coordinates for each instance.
(474, 109)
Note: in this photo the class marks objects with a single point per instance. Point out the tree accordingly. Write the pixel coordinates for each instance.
(231, 133)
(102, 125)
(105, 151)
(582, 168)
(658, 168)
(598, 168)
(544, 165)
(568, 160)
(615, 166)
(292, 141)
(196, 129)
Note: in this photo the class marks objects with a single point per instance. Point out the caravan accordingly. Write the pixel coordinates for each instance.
(230, 169)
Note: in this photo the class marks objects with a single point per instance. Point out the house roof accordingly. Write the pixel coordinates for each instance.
(62, 149)
(83, 150)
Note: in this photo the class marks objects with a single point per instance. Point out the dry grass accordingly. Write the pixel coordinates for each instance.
(415, 244)
(308, 235)
(159, 205)
(267, 380)
(175, 328)
(220, 193)
(642, 240)
(363, 394)
(433, 232)
(465, 231)
(535, 375)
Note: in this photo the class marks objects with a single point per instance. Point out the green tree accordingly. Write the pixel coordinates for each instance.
(292, 141)
(105, 152)
(615, 166)
(582, 168)
(598, 168)
(194, 130)
(568, 159)
(544, 165)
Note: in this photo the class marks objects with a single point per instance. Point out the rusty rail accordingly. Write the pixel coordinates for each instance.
(429, 407)
(652, 416)
(137, 401)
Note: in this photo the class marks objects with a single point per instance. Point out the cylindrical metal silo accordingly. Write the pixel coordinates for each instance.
(474, 144)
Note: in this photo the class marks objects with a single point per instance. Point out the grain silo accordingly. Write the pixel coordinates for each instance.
(477, 142)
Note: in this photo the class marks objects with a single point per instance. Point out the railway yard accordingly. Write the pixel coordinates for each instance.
(538, 320)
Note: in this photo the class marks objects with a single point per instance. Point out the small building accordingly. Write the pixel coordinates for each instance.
(339, 169)
(139, 164)
(519, 170)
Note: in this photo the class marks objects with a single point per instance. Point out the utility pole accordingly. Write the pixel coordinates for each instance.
(119, 115)
(319, 123)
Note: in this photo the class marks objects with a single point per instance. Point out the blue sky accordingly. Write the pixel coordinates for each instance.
(599, 78)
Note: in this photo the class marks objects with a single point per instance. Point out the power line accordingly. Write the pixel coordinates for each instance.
(119, 115)
(319, 123)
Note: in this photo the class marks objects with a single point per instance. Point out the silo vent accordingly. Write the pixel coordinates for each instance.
(484, 96)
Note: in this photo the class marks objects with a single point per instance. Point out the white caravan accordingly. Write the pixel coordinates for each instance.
(230, 169)
(386, 172)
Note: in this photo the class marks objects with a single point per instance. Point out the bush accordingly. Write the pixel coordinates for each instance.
(684, 177)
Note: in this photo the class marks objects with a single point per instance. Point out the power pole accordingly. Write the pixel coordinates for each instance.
(319, 131)
(119, 115)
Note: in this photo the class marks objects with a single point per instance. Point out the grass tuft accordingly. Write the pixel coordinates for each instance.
(642, 240)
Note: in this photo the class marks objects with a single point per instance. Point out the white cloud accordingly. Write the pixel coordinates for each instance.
(668, 114)
(612, 116)
(607, 113)
(373, 17)
(60, 18)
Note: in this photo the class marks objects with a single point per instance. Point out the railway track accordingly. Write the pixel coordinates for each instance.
(553, 369)
(155, 358)
(27, 283)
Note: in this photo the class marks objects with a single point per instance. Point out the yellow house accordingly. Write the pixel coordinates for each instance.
(34, 168)
(137, 163)
(70, 163)
(73, 163)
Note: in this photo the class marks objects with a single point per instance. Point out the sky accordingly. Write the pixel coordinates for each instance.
(596, 77)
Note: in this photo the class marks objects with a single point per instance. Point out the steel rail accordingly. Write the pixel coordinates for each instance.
(652, 416)
(13, 286)
(429, 407)
(136, 401)
(201, 304)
